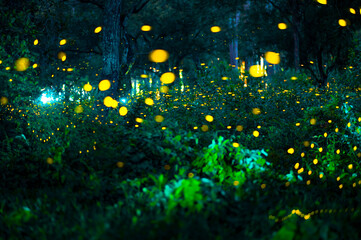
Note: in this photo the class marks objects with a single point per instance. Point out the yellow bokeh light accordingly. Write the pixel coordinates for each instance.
(146, 28)
(291, 151)
(123, 111)
(204, 128)
(98, 29)
(120, 164)
(256, 133)
(62, 56)
(239, 128)
(108, 101)
(49, 160)
(62, 42)
(139, 120)
(324, 2)
(315, 161)
(256, 71)
(272, 57)
(149, 101)
(22, 64)
(104, 85)
(342, 22)
(4, 100)
(79, 109)
(256, 111)
(350, 166)
(167, 78)
(143, 75)
(87, 87)
(282, 26)
(215, 29)
(236, 145)
(35, 65)
(164, 89)
(36, 42)
(158, 56)
(353, 11)
(313, 121)
(159, 118)
(209, 118)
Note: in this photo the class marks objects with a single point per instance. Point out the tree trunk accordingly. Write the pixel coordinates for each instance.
(296, 52)
(111, 45)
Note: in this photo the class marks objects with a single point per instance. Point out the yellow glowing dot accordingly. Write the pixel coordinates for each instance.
(342, 22)
(308, 182)
(49, 160)
(255, 133)
(167, 78)
(62, 42)
(209, 118)
(159, 118)
(287, 184)
(120, 164)
(309, 172)
(324, 2)
(297, 165)
(325, 134)
(256, 71)
(256, 111)
(70, 69)
(338, 151)
(272, 57)
(190, 175)
(315, 161)
(263, 186)
(321, 175)
(158, 56)
(62, 56)
(282, 26)
(21, 64)
(359, 155)
(123, 111)
(97, 30)
(336, 129)
(353, 11)
(300, 171)
(108, 101)
(79, 109)
(35, 65)
(36, 42)
(143, 75)
(355, 148)
(7, 68)
(4, 100)
(146, 28)
(349, 124)
(139, 120)
(320, 149)
(104, 85)
(350, 166)
(224, 78)
(164, 89)
(313, 121)
(149, 101)
(215, 29)
(298, 124)
(308, 215)
(204, 128)
(306, 143)
(239, 128)
(359, 119)
(236, 183)
(302, 154)
(340, 186)
(291, 151)
(87, 87)
(236, 145)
